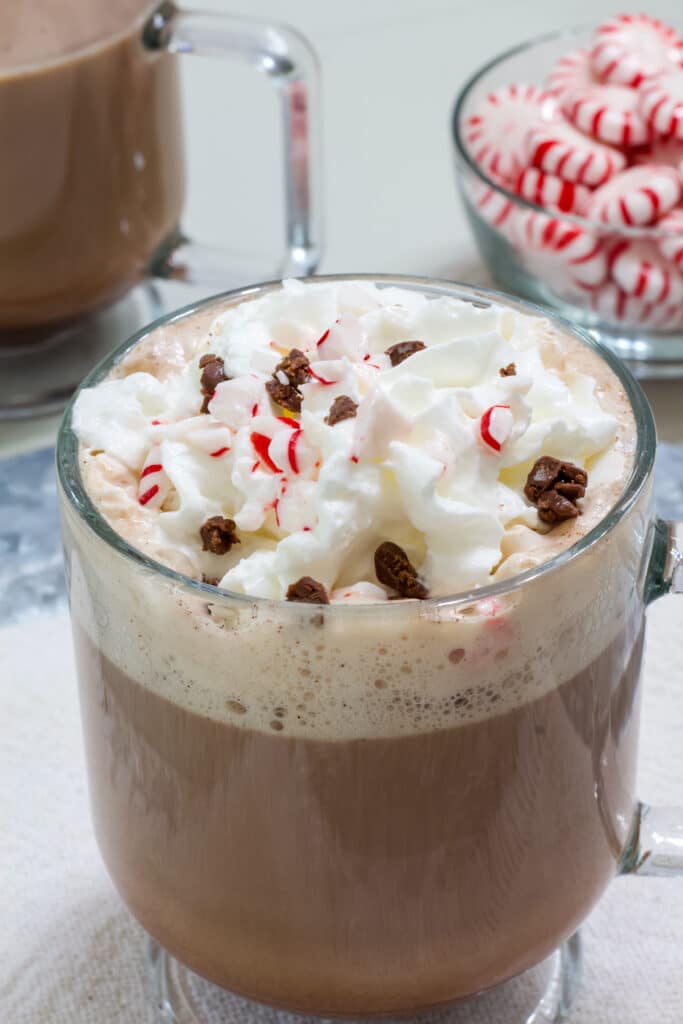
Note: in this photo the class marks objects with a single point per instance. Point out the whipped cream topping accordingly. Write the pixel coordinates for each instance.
(434, 459)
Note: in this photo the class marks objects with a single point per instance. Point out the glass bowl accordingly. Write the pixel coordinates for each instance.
(511, 233)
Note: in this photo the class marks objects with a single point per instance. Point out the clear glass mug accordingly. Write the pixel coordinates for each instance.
(92, 180)
(350, 811)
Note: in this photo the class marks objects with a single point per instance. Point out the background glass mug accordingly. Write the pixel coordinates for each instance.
(92, 175)
(382, 842)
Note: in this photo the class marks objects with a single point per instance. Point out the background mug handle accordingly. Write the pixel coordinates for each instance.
(288, 59)
(655, 846)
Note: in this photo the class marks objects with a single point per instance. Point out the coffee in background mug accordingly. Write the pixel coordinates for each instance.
(92, 178)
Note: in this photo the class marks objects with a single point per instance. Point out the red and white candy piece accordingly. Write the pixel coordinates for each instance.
(630, 47)
(665, 152)
(573, 71)
(610, 113)
(496, 425)
(154, 485)
(559, 148)
(570, 257)
(672, 247)
(551, 192)
(661, 103)
(613, 304)
(640, 269)
(636, 197)
(494, 207)
(495, 134)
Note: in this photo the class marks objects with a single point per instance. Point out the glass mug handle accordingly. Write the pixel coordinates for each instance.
(656, 843)
(290, 62)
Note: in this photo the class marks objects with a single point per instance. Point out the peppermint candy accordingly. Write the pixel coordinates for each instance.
(558, 148)
(640, 269)
(550, 191)
(612, 304)
(496, 209)
(631, 47)
(672, 248)
(609, 113)
(572, 72)
(636, 197)
(154, 485)
(569, 257)
(495, 134)
(661, 103)
(496, 425)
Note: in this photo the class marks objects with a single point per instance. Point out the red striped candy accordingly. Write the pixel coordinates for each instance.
(672, 247)
(154, 485)
(558, 148)
(567, 253)
(609, 113)
(630, 47)
(636, 197)
(640, 269)
(495, 134)
(551, 192)
(614, 305)
(573, 71)
(661, 103)
(494, 207)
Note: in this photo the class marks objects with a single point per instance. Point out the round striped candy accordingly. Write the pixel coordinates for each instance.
(558, 148)
(671, 247)
(640, 269)
(573, 71)
(630, 47)
(609, 113)
(661, 103)
(636, 197)
(495, 134)
(551, 192)
(612, 304)
(563, 254)
(495, 208)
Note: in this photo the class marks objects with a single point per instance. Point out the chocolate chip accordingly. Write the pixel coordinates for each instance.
(553, 507)
(213, 374)
(555, 486)
(294, 366)
(546, 472)
(286, 395)
(212, 581)
(307, 590)
(218, 535)
(508, 371)
(394, 569)
(343, 408)
(402, 350)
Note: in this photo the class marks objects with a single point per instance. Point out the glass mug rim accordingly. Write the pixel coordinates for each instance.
(84, 49)
(69, 475)
(570, 33)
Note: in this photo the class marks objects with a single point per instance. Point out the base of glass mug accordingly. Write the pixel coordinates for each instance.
(542, 995)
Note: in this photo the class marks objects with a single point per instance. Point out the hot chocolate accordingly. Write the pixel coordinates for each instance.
(91, 177)
(374, 805)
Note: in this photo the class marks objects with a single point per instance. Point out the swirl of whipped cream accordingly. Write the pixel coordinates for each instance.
(434, 459)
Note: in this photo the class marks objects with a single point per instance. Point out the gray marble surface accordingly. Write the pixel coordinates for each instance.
(31, 571)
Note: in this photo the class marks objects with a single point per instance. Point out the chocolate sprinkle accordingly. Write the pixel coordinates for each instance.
(508, 371)
(394, 569)
(213, 374)
(343, 408)
(286, 395)
(294, 366)
(402, 350)
(555, 486)
(308, 591)
(218, 535)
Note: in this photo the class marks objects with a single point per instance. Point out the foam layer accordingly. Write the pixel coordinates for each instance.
(364, 670)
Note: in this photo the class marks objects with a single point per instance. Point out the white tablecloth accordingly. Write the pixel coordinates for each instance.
(71, 954)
